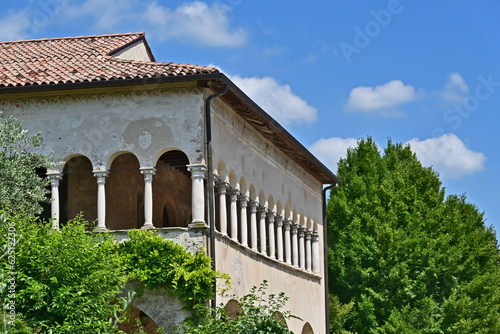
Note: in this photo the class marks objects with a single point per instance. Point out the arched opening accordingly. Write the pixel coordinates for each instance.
(307, 329)
(46, 213)
(124, 194)
(172, 191)
(78, 190)
(137, 319)
(233, 308)
(278, 316)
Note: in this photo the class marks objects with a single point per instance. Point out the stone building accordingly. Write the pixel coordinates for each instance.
(142, 144)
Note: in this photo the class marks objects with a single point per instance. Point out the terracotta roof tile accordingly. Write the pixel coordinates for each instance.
(80, 59)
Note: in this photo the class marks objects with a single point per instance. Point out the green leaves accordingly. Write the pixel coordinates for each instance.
(155, 261)
(21, 189)
(404, 255)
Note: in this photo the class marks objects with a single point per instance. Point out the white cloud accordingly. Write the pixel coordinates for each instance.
(195, 22)
(13, 26)
(448, 155)
(381, 98)
(455, 90)
(277, 100)
(329, 151)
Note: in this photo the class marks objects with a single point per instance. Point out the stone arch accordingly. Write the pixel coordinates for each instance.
(232, 179)
(279, 208)
(288, 213)
(172, 190)
(307, 329)
(262, 198)
(166, 150)
(124, 193)
(221, 171)
(78, 190)
(243, 186)
(252, 192)
(233, 308)
(309, 223)
(270, 203)
(278, 316)
(130, 325)
(302, 222)
(314, 226)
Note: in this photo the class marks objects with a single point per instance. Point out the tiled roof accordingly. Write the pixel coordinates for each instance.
(80, 59)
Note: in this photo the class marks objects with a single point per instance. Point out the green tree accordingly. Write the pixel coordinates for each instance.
(258, 315)
(65, 280)
(21, 189)
(410, 260)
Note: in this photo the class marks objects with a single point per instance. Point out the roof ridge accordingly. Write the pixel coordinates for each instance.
(107, 57)
(141, 34)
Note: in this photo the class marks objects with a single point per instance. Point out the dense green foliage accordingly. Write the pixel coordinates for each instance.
(21, 189)
(259, 315)
(410, 260)
(65, 280)
(155, 261)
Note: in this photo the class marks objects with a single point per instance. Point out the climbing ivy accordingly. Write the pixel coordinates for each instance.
(155, 261)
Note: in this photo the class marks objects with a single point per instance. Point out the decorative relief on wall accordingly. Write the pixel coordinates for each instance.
(85, 98)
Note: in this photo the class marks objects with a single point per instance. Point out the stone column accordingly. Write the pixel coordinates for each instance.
(197, 195)
(295, 246)
(315, 253)
(253, 224)
(302, 250)
(308, 251)
(233, 207)
(279, 237)
(243, 220)
(148, 173)
(288, 248)
(270, 222)
(54, 178)
(222, 186)
(262, 228)
(101, 175)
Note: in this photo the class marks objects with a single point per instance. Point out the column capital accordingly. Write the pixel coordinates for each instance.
(99, 173)
(315, 236)
(279, 221)
(222, 186)
(252, 205)
(308, 234)
(197, 170)
(147, 170)
(243, 200)
(54, 177)
(233, 193)
(302, 231)
(295, 228)
(288, 224)
(270, 216)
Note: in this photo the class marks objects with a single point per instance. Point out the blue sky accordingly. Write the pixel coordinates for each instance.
(424, 73)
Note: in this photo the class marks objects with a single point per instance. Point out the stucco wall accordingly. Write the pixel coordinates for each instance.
(248, 269)
(99, 126)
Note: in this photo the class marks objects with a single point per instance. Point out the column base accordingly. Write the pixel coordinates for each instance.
(198, 224)
(101, 229)
(148, 227)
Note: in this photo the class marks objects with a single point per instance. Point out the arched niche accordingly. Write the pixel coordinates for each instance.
(172, 190)
(307, 329)
(124, 193)
(78, 190)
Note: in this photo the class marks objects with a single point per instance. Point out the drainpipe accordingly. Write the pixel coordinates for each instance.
(325, 264)
(210, 181)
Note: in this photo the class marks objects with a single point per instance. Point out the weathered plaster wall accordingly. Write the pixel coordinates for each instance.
(100, 126)
(248, 269)
(250, 156)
